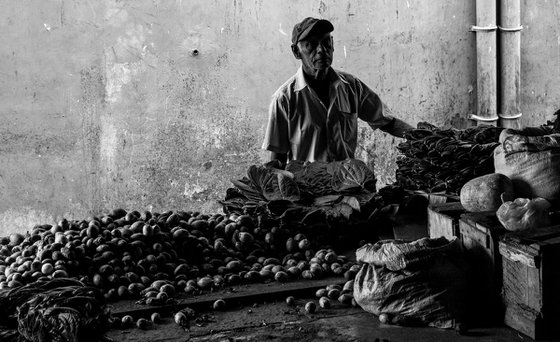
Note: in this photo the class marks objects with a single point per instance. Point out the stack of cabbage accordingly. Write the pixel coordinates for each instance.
(335, 190)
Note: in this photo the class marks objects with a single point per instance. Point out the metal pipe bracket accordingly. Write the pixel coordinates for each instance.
(510, 29)
(484, 119)
(475, 28)
(510, 116)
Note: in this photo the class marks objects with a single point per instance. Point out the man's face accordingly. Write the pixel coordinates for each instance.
(315, 52)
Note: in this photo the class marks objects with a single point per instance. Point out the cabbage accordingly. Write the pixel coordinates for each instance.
(352, 175)
(312, 178)
(270, 183)
(273, 183)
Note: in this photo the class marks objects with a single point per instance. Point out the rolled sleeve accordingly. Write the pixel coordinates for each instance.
(372, 109)
(276, 137)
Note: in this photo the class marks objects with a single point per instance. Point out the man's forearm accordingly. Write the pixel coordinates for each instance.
(397, 128)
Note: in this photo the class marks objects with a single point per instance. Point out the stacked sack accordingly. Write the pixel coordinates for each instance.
(531, 159)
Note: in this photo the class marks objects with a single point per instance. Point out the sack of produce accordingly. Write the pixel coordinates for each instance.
(524, 214)
(415, 283)
(531, 159)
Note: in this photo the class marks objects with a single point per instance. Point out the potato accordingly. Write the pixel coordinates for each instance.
(281, 276)
(310, 307)
(384, 318)
(345, 298)
(324, 303)
(127, 321)
(321, 293)
(180, 318)
(333, 293)
(219, 304)
(290, 300)
(142, 323)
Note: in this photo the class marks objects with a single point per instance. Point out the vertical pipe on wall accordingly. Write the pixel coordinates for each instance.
(509, 109)
(486, 65)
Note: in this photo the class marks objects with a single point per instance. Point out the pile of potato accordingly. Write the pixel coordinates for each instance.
(154, 256)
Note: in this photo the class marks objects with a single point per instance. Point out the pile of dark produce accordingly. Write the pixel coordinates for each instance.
(443, 160)
(126, 253)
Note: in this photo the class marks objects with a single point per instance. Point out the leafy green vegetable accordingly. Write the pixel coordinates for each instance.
(280, 185)
(336, 188)
(312, 178)
(273, 183)
(352, 175)
(248, 189)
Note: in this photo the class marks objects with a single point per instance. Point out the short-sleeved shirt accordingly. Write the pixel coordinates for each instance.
(305, 129)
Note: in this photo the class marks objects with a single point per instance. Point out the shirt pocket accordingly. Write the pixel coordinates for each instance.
(347, 117)
(346, 106)
(348, 123)
(346, 109)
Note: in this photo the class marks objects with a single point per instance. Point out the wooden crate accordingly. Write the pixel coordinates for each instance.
(479, 233)
(531, 282)
(443, 219)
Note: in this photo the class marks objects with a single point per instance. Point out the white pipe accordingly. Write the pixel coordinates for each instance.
(510, 63)
(486, 66)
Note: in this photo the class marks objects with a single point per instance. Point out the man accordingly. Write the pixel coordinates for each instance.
(314, 115)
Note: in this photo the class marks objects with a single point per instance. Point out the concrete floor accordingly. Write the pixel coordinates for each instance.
(275, 321)
(278, 322)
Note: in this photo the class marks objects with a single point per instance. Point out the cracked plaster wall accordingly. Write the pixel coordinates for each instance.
(158, 104)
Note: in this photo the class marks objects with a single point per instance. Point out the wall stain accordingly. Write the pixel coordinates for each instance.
(91, 105)
(322, 7)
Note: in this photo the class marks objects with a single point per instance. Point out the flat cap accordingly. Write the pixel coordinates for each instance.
(306, 26)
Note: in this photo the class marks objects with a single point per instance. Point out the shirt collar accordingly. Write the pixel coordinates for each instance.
(301, 83)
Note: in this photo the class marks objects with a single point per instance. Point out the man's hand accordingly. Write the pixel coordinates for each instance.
(281, 157)
(397, 128)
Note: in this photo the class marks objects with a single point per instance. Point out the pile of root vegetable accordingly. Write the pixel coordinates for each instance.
(125, 253)
(153, 257)
(436, 160)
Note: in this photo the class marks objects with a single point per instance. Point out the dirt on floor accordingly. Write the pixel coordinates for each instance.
(276, 321)
(257, 322)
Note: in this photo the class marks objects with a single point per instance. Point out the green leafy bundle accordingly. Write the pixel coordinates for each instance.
(443, 160)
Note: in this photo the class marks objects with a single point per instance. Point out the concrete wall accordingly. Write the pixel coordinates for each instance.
(540, 60)
(157, 104)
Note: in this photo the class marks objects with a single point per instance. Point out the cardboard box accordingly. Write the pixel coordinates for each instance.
(531, 282)
(443, 219)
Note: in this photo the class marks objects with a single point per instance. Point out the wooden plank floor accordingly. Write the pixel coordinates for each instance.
(246, 293)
